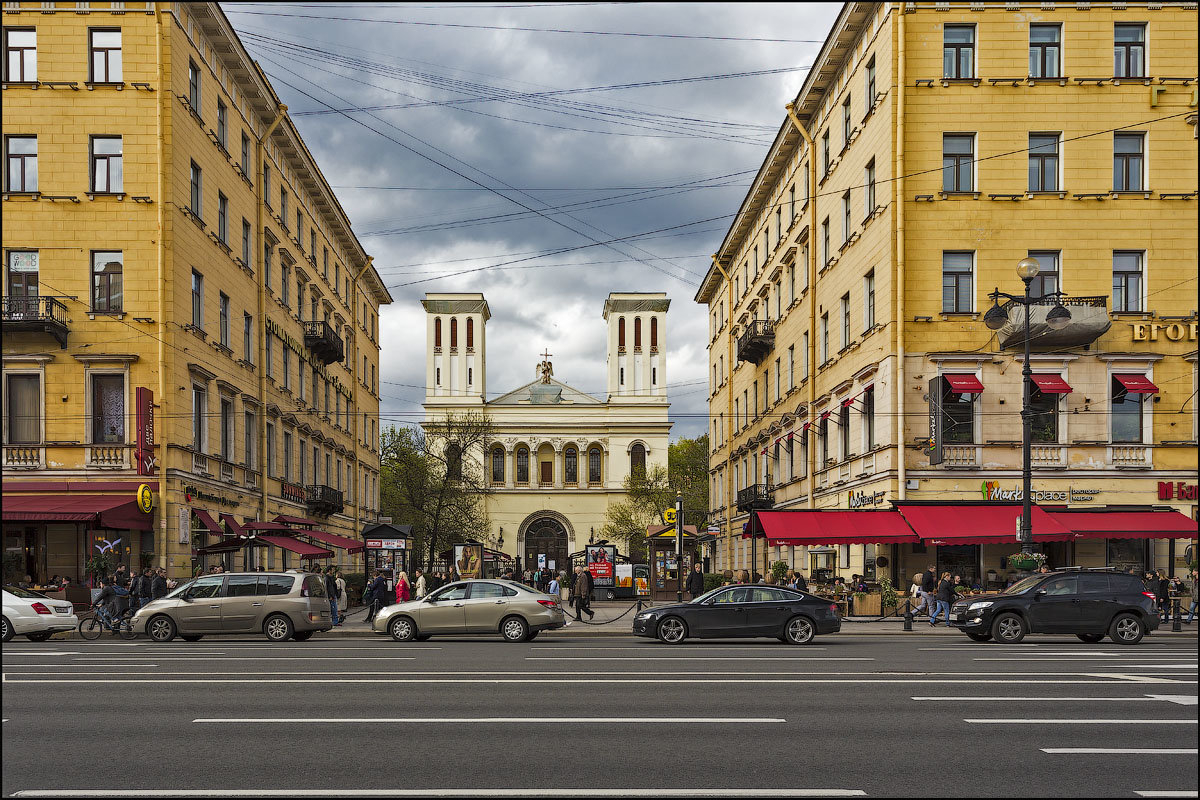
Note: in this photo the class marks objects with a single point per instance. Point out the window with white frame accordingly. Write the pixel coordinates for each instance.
(22, 407)
(105, 46)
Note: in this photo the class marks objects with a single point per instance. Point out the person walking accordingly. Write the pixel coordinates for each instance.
(929, 585)
(554, 587)
(419, 585)
(331, 592)
(146, 587)
(1162, 595)
(135, 593)
(945, 596)
(159, 586)
(695, 581)
(581, 592)
(375, 594)
(342, 599)
(403, 590)
(1195, 596)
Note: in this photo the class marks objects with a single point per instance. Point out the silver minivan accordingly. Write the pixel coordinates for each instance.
(280, 605)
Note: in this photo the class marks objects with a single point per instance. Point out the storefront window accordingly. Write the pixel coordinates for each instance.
(961, 560)
(1126, 554)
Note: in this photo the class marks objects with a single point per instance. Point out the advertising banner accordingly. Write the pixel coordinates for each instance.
(468, 560)
(144, 417)
(624, 575)
(601, 559)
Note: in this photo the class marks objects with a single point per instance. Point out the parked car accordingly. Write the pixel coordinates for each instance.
(280, 605)
(1088, 603)
(34, 615)
(515, 611)
(742, 612)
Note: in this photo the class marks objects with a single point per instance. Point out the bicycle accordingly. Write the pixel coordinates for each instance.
(92, 626)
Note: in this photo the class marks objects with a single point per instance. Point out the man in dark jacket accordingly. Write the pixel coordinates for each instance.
(135, 593)
(928, 592)
(159, 587)
(146, 587)
(801, 584)
(375, 594)
(331, 591)
(695, 582)
(945, 598)
(581, 592)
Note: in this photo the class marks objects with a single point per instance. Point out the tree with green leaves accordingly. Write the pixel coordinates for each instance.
(433, 478)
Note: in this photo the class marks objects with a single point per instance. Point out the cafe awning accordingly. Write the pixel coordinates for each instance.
(1051, 384)
(206, 519)
(963, 383)
(344, 542)
(1126, 524)
(806, 528)
(979, 523)
(102, 511)
(235, 527)
(266, 526)
(302, 549)
(1136, 384)
(228, 545)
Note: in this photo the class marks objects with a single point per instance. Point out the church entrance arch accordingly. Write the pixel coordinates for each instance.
(546, 533)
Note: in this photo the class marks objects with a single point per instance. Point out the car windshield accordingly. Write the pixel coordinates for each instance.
(707, 595)
(1023, 585)
(17, 591)
(180, 589)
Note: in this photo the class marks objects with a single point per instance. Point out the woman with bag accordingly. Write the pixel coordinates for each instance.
(915, 592)
(342, 600)
(403, 593)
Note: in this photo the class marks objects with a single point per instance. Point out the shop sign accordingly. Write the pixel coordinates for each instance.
(936, 455)
(1175, 331)
(386, 544)
(191, 494)
(600, 561)
(993, 491)
(144, 448)
(145, 499)
(1178, 491)
(863, 499)
(185, 525)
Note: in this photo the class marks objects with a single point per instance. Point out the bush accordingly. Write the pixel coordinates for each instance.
(713, 579)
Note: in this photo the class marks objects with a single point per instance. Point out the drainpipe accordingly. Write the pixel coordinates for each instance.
(260, 259)
(354, 400)
(898, 348)
(812, 282)
(730, 497)
(161, 111)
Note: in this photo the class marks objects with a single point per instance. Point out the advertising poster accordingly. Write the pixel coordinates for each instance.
(624, 573)
(468, 560)
(601, 559)
(541, 560)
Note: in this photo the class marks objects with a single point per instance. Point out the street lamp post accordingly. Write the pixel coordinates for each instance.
(1056, 319)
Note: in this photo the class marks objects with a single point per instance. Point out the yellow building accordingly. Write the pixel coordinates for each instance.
(185, 308)
(932, 147)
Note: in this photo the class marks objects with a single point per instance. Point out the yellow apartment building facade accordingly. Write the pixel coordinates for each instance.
(191, 329)
(931, 148)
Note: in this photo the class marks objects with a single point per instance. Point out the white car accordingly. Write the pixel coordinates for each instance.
(35, 615)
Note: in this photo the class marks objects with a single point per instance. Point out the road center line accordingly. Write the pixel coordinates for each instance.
(1121, 751)
(695, 658)
(573, 680)
(1081, 721)
(491, 720)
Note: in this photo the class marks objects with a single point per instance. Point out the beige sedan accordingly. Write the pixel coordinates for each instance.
(511, 609)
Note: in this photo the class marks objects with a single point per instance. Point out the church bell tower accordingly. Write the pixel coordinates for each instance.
(637, 346)
(455, 348)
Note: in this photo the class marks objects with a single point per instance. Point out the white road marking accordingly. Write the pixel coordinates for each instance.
(1081, 721)
(1040, 699)
(489, 720)
(1181, 699)
(179, 659)
(1169, 793)
(695, 658)
(1121, 751)
(1076, 660)
(633, 680)
(540, 792)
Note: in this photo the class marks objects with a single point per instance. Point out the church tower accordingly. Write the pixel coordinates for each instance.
(455, 348)
(637, 346)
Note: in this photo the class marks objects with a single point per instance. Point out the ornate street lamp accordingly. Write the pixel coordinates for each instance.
(1056, 319)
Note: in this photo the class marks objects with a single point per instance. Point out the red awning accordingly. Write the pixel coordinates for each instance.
(964, 384)
(287, 520)
(795, 528)
(979, 524)
(344, 542)
(103, 511)
(1127, 524)
(229, 545)
(302, 549)
(1051, 384)
(825, 415)
(208, 522)
(849, 401)
(807, 425)
(235, 527)
(1137, 384)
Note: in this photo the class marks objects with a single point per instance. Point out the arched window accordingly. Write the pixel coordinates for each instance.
(637, 461)
(437, 330)
(654, 334)
(594, 465)
(454, 461)
(621, 333)
(470, 333)
(522, 465)
(571, 462)
(453, 332)
(498, 465)
(637, 333)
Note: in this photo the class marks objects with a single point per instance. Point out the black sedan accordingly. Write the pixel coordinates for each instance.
(741, 612)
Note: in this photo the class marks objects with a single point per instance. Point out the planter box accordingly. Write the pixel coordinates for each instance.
(868, 606)
(1023, 563)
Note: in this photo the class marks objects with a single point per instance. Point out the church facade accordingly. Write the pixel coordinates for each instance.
(559, 457)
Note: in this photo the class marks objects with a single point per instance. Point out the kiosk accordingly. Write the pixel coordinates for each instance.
(664, 566)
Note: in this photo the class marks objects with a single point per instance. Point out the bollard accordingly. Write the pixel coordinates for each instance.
(908, 615)
(1176, 622)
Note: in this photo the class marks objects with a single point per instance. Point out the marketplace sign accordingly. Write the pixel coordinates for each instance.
(992, 490)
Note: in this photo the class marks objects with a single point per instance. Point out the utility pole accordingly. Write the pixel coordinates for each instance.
(679, 545)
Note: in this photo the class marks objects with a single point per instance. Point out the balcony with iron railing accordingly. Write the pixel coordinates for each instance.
(36, 315)
(323, 341)
(756, 341)
(759, 497)
(323, 500)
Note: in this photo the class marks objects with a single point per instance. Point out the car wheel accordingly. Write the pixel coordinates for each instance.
(1008, 629)
(799, 630)
(302, 636)
(278, 628)
(9, 633)
(402, 629)
(514, 629)
(39, 636)
(610, 595)
(1090, 638)
(161, 628)
(423, 637)
(1127, 629)
(192, 637)
(979, 637)
(672, 630)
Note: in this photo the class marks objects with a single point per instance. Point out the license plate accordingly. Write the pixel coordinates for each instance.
(959, 617)
(61, 610)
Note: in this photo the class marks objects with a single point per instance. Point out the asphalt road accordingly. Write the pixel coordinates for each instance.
(849, 715)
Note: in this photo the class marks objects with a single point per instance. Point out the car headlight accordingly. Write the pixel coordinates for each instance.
(645, 615)
(979, 605)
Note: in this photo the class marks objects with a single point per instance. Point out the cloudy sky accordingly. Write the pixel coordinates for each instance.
(459, 144)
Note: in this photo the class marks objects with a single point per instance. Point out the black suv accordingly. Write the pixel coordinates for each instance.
(1087, 603)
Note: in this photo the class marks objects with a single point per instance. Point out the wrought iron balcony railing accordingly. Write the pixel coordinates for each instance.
(323, 500)
(36, 315)
(756, 341)
(323, 341)
(759, 497)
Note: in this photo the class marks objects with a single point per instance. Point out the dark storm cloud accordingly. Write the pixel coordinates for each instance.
(555, 301)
